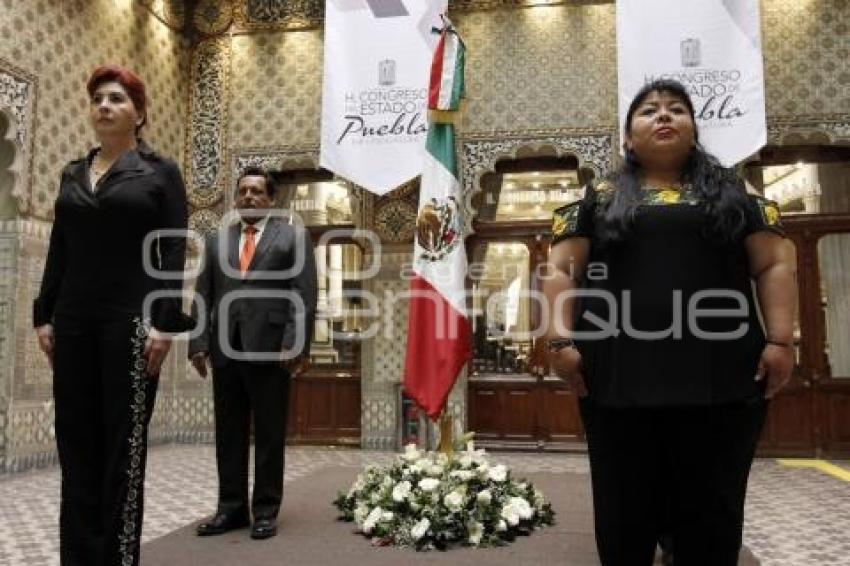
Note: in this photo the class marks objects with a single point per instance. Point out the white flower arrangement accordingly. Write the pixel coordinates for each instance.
(428, 500)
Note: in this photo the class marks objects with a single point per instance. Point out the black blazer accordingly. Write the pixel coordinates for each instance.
(263, 324)
(95, 266)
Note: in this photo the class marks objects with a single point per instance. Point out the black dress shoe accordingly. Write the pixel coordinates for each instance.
(221, 523)
(263, 528)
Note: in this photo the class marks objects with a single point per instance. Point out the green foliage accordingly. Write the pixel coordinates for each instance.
(431, 501)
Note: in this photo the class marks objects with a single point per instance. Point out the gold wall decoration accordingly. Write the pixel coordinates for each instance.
(206, 132)
(253, 15)
(213, 17)
(394, 218)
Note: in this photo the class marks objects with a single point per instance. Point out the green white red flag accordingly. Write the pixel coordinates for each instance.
(438, 338)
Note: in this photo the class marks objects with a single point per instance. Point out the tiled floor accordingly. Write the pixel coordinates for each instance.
(795, 516)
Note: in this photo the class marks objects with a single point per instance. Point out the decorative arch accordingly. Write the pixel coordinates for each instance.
(809, 130)
(288, 158)
(12, 168)
(592, 150)
(17, 106)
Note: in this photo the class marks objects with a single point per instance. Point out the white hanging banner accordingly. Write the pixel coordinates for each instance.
(375, 92)
(713, 47)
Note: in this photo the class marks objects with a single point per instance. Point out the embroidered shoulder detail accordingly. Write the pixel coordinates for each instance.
(769, 211)
(604, 190)
(684, 195)
(565, 220)
(604, 186)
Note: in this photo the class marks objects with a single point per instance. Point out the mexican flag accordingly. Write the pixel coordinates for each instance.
(438, 337)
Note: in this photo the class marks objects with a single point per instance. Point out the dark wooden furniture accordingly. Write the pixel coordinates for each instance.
(324, 408)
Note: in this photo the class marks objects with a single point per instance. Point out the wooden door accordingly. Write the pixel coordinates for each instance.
(811, 417)
(325, 409)
(324, 403)
(513, 401)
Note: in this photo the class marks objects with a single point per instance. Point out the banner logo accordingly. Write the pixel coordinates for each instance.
(386, 72)
(713, 48)
(690, 50)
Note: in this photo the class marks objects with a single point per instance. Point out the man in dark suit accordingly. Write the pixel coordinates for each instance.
(258, 282)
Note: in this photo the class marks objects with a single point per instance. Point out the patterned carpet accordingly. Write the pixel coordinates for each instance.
(795, 516)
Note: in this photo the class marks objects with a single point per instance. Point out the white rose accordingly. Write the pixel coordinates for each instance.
(510, 514)
(360, 514)
(522, 507)
(484, 497)
(483, 471)
(420, 465)
(420, 529)
(372, 519)
(401, 491)
(463, 475)
(435, 470)
(454, 501)
(428, 484)
(498, 473)
(476, 531)
(479, 456)
(411, 453)
(502, 526)
(359, 484)
(387, 516)
(465, 461)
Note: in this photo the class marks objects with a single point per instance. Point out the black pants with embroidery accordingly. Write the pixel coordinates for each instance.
(675, 471)
(104, 402)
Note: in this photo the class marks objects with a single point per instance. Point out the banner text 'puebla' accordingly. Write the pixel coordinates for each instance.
(712, 47)
(375, 91)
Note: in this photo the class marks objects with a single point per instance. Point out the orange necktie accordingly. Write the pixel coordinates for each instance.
(247, 249)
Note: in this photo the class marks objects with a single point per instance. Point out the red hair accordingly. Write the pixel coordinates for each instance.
(126, 78)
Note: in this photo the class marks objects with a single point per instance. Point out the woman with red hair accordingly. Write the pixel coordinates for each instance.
(103, 320)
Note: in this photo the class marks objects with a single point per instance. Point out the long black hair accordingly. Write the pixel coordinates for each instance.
(720, 189)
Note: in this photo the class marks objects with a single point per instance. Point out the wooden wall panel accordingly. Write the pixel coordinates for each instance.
(560, 416)
(324, 409)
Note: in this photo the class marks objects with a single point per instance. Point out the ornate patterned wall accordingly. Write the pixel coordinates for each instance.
(531, 71)
(383, 356)
(535, 75)
(806, 57)
(47, 50)
(60, 43)
(540, 68)
(277, 89)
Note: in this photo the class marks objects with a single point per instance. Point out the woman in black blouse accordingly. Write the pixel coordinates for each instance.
(655, 324)
(90, 319)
